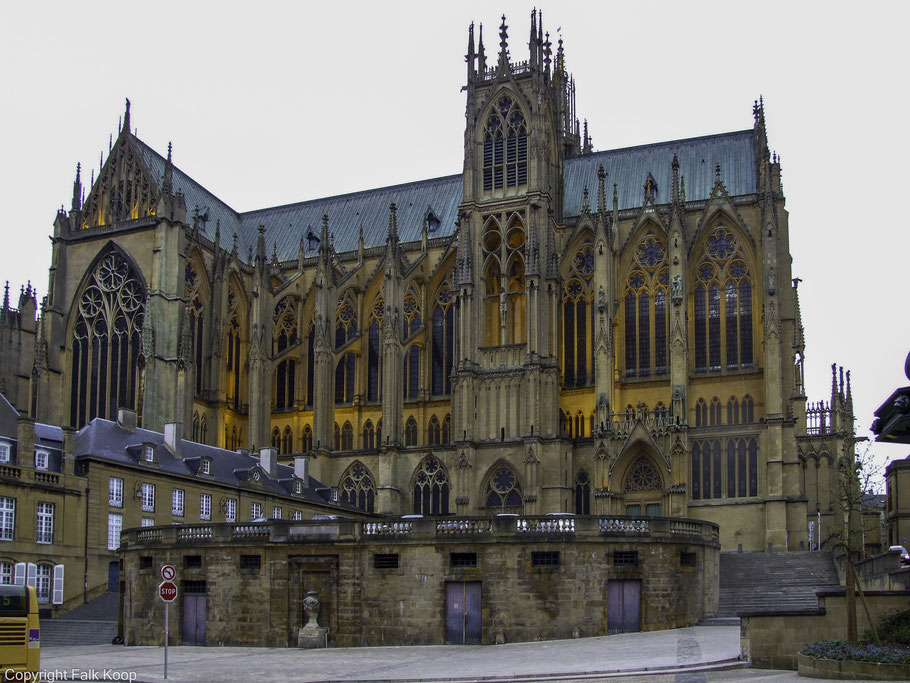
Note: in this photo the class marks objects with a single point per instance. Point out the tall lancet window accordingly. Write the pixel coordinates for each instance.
(443, 337)
(284, 337)
(107, 341)
(504, 274)
(578, 320)
(193, 296)
(723, 305)
(345, 331)
(412, 323)
(234, 363)
(374, 350)
(645, 310)
(505, 146)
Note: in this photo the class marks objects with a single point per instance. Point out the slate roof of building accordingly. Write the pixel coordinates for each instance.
(629, 168)
(106, 440)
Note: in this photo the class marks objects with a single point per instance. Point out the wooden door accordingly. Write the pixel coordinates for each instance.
(623, 606)
(193, 619)
(463, 604)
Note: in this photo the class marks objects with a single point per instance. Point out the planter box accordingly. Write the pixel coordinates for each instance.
(845, 670)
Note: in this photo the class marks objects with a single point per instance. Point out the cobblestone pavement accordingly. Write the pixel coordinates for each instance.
(686, 655)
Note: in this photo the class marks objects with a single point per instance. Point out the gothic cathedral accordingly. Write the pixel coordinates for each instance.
(553, 330)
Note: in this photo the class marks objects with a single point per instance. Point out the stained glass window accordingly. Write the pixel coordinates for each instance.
(374, 353)
(642, 476)
(443, 338)
(503, 489)
(505, 147)
(431, 488)
(582, 493)
(646, 316)
(357, 488)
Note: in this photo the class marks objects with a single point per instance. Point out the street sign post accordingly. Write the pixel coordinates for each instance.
(167, 591)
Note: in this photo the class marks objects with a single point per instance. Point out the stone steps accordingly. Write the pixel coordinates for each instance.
(63, 632)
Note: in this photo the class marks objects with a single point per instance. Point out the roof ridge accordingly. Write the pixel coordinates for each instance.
(679, 141)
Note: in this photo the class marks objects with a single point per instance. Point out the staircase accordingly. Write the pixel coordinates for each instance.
(773, 582)
(94, 623)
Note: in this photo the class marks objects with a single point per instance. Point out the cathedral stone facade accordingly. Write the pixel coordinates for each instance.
(554, 329)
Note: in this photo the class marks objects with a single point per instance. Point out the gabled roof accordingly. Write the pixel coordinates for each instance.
(106, 440)
(628, 168)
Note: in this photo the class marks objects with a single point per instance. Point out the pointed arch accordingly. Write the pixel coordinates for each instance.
(347, 437)
(358, 488)
(107, 316)
(502, 489)
(306, 443)
(430, 487)
(369, 435)
(410, 431)
(235, 337)
(645, 311)
(505, 144)
(434, 431)
(582, 493)
(443, 337)
(284, 336)
(196, 293)
(578, 317)
(374, 348)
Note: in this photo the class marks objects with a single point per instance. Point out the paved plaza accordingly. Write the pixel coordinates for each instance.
(685, 655)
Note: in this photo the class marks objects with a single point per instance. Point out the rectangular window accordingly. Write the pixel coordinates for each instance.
(148, 497)
(625, 558)
(276, 512)
(250, 561)
(230, 510)
(114, 527)
(41, 459)
(255, 511)
(7, 518)
(462, 559)
(687, 559)
(192, 561)
(148, 521)
(6, 573)
(149, 453)
(177, 503)
(545, 558)
(43, 583)
(297, 515)
(385, 561)
(205, 506)
(206, 466)
(145, 562)
(45, 533)
(115, 492)
(4, 452)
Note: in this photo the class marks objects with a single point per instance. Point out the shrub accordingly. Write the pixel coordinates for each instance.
(864, 652)
(893, 628)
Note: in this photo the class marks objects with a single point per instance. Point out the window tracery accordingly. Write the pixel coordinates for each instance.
(306, 444)
(369, 435)
(345, 331)
(578, 320)
(715, 476)
(431, 488)
(443, 337)
(723, 292)
(582, 493)
(646, 316)
(504, 268)
(287, 441)
(191, 293)
(233, 350)
(284, 336)
(434, 431)
(374, 350)
(412, 323)
(447, 429)
(505, 146)
(642, 476)
(410, 432)
(106, 341)
(347, 437)
(503, 489)
(357, 488)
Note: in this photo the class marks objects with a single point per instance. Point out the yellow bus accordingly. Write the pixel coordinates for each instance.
(20, 641)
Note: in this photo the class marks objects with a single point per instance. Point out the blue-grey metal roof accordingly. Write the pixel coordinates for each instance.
(629, 168)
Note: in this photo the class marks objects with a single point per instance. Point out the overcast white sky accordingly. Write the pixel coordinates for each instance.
(269, 103)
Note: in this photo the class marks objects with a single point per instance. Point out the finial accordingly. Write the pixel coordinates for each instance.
(126, 116)
(167, 184)
(393, 224)
(481, 54)
(547, 53)
(110, 142)
(585, 207)
(503, 38)
(470, 57)
(601, 173)
(6, 296)
(717, 173)
(675, 162)
(77, 189)
(100, 162)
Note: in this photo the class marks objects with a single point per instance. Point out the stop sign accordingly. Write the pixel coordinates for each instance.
(167, 591)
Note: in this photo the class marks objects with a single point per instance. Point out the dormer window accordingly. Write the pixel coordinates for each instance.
(41, 458)
(298, 487)
(4, 451)
(206, 466)
(148, 453)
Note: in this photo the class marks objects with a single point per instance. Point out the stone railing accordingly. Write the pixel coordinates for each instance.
(47, 478)
(493, 357)
(425, 529)
(10, 471)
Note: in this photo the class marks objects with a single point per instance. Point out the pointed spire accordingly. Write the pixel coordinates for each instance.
(471, 57)
(361, 243)
(147, 333)
(481, 55)
(217, 235)
(260, 247)
(560, 58)
(167, 185)
(6, 297)
(77, 189)
(675, 189)
(532, 42)
(547, 54)
(110, 142)
(126, 116)
(682, 189)
(585, 205)
(100, 162)
(503, 43)
(833, 380)
(234, 245)
(717, 172)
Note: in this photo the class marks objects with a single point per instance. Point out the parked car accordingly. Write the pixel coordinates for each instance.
(905, 556)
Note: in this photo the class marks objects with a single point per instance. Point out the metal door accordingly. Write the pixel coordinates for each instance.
(113, 577)
(623, 606)
(193, 619)
(463, 603)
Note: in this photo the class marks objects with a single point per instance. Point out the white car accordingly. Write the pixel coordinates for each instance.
(905, 556)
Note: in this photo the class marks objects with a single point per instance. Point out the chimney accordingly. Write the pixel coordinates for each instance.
(25, 436)
(173, 433)
(268, 461)
(126, 420)
(302, 468)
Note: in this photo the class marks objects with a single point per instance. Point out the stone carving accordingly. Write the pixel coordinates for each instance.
(676, 289)
(312, 635)
(311, 609)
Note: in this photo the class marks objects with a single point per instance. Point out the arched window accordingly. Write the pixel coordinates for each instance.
(504, 274)
(195, 426)
(306, 444)
(412, 323)
(287, 441)
(193, 297)
(347, 437)
(410, 432)
(379, 434)
(374, 350)
(202, 429)
(310, 364)
(660, 411)
(284, 337)
(505, 146)
(357, 488)
(234, 360)
(748, 410)
(503, 489)
(715, 414)
(723, 270)
(701, 413)
(337, 437)
(578, 320)
(276, 439)
(642, 476)
(582, 493)
(345, 331)
(645, 316)
(732, 411)
(106, 341)
(447, 429)
(443, 337)
(434, 432)
(431, 488)
(369, 435)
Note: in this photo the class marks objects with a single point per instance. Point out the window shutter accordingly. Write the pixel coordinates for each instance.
(19, 574)
(58, 585)
(31, 572)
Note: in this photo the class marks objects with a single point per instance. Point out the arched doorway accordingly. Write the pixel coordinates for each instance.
(643, 488)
